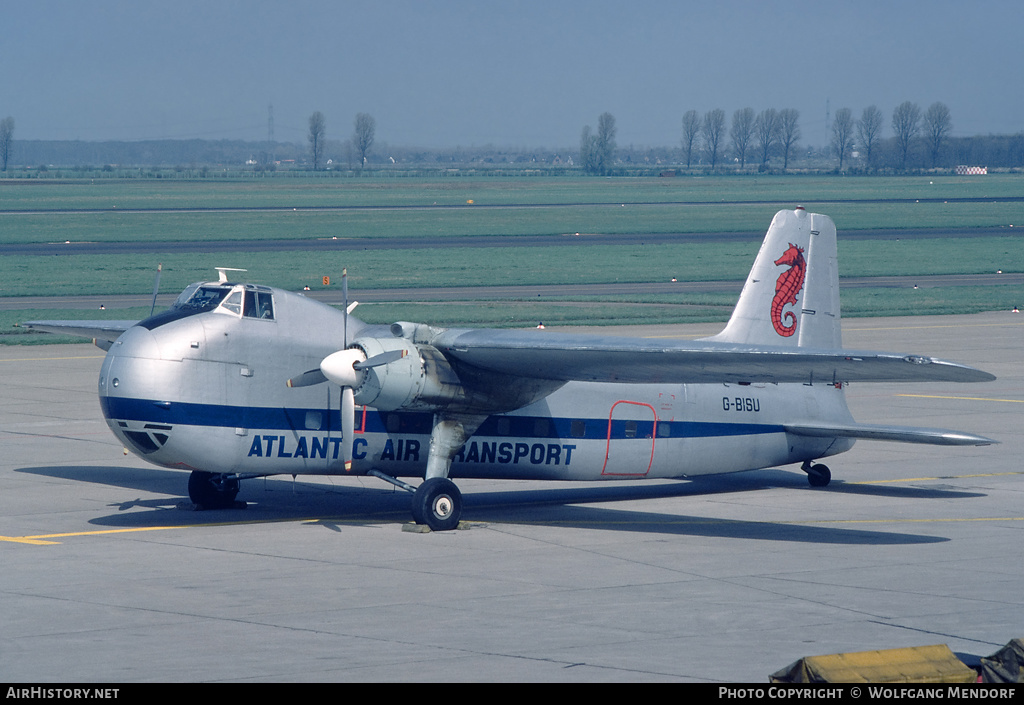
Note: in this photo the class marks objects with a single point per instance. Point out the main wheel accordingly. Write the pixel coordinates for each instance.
(438, 504)
(212, 490)
(819, 475)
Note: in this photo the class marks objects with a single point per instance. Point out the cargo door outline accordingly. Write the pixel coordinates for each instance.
(620, 465)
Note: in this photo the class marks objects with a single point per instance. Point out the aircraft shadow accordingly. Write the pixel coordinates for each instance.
(338, 506)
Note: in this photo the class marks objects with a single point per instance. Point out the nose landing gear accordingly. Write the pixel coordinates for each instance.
(209, 490)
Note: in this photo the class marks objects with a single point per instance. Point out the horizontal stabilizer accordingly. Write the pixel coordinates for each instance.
(900, 434)
(99, 330)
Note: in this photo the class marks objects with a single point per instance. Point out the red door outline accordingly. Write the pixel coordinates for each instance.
(608, 447)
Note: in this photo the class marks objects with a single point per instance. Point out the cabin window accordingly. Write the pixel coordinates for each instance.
(578, 429)
(314, 420)
(631, 429)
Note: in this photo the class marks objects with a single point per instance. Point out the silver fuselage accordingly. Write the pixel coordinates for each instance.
(207, 392)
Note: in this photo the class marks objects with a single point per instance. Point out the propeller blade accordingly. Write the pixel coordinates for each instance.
(348, 425)
(382, 359)
(339, 367)
(307, 379)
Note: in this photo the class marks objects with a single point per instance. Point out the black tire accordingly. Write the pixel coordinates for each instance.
(438, 504)
(819, 475)
(211, 490)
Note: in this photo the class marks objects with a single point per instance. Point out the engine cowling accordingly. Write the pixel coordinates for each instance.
(421, 381)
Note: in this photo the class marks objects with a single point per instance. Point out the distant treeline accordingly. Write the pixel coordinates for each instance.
(200, 157)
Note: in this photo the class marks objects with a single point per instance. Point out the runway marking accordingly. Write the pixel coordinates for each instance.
(937, 396)
(941, 477)
(40, 540)
(854, 329)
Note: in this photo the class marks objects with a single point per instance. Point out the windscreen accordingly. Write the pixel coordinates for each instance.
(197, 298)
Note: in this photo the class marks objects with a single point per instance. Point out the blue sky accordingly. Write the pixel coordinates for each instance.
(438, 73)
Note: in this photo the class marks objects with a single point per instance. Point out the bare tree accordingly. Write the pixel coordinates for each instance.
(906, 123)
(740, 133)
(789, 133)
(767, 128)
(587, 151)
(691, 130)
(317, 139)
(712, 130)
(596, 151)
(605, 142)
(842, 134)
(6, 137)
(366, 126)
(869, 129)
(937, 126)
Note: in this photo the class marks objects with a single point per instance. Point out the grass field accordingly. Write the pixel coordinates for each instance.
(379, 192)
(37, 213)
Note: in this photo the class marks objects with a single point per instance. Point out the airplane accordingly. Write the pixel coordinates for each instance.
(236, 381)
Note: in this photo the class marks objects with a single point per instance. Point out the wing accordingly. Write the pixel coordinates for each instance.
(99, 331)
(902, 434)
(566, 357)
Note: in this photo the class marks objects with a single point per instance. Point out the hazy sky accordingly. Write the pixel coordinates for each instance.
(512, 73)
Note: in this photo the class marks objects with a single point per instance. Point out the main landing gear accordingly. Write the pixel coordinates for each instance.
(818, 475)
(436, 503)
(209, 490)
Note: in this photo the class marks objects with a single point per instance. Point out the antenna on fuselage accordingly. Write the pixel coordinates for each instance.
(156, 287)
(222, 273)
(344, 303)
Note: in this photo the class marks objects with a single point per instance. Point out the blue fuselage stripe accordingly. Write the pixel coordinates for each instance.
(285, 419)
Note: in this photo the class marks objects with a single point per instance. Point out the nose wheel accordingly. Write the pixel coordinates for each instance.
(209, 490)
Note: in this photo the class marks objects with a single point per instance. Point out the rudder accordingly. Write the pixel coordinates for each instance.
(791, 296)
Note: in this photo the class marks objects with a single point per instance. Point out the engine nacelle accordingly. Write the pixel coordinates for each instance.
(421, 381)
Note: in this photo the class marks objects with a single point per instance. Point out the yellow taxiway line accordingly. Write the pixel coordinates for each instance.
(45, 539)
(937, 396)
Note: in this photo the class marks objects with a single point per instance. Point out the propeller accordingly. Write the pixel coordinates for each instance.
(344, 368)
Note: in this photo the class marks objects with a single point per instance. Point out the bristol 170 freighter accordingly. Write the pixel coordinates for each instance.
(239, 380)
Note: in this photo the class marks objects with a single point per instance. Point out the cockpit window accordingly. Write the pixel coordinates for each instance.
(249, 302)
(204, 298)
(259, 304)
(246, 301)
(233, 303)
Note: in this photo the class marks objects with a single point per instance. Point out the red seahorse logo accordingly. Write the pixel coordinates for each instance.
(787, 286)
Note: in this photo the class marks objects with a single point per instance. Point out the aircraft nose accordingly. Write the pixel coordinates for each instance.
(125, 369)
(137, 341)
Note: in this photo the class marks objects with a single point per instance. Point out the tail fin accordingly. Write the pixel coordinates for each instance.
(791, 297)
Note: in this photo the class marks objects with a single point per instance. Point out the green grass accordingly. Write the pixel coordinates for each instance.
(630, 207)
(591, 310)
(490, 266)
(316, 192)
(624, 206)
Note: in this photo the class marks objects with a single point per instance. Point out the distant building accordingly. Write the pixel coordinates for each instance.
(963, 170)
